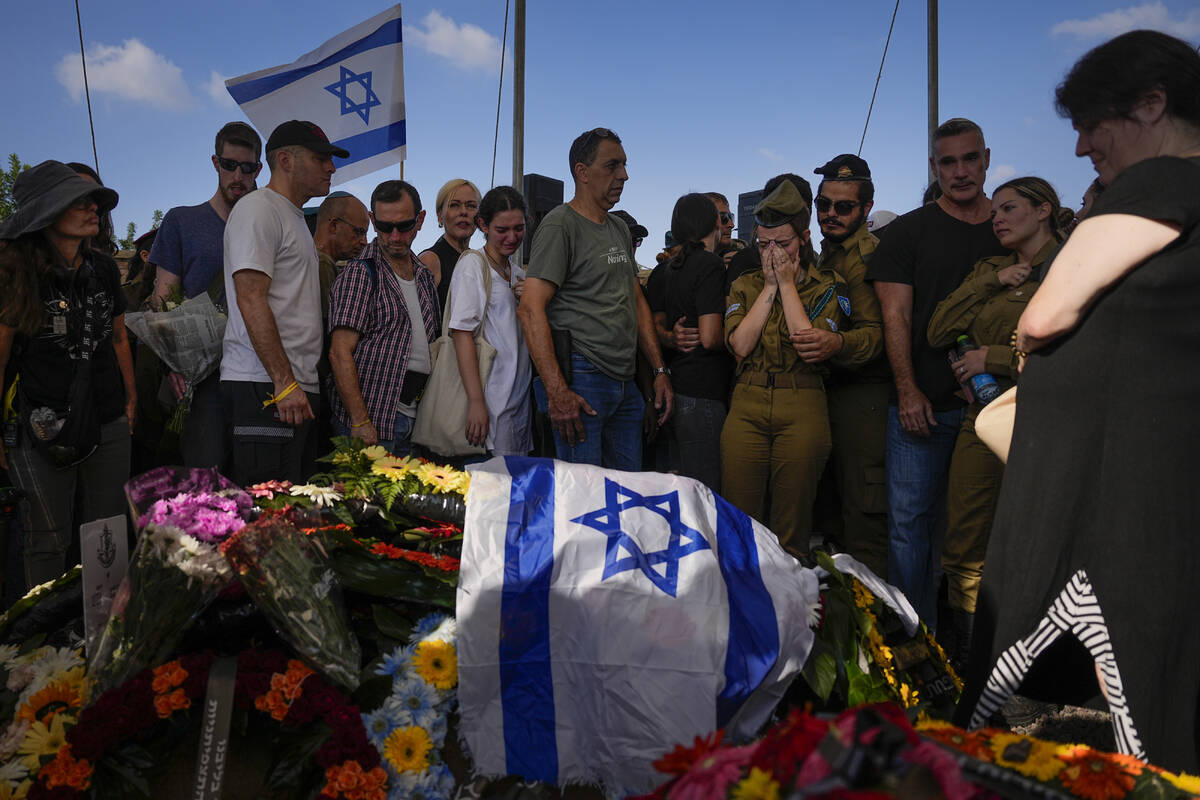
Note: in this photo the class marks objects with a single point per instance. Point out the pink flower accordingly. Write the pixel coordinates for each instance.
(711, 776)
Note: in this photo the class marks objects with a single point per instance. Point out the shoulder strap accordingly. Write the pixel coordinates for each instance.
(487, 294)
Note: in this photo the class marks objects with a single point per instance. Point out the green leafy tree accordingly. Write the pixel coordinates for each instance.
(158, 215)
(130, 237)
(7, 178)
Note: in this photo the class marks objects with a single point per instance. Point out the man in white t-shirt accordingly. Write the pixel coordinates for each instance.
(273, 339)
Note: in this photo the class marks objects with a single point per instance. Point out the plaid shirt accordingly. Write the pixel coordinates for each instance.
(366, 298)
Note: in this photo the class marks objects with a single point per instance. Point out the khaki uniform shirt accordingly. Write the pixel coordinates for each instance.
(774, 352)
(864, 339)
(328, 270)
(987, 311)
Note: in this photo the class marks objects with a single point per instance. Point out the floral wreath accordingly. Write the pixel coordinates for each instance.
(284, 689)
(409, 729)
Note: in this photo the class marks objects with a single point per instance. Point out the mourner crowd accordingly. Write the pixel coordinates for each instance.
(757, 368)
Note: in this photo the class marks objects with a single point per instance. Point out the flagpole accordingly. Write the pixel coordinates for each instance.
(518, 177)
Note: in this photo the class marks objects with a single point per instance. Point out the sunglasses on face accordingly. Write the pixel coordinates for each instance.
(229, 165)
(404, 226)
(726, 218)
(840, 207)
(357, 230)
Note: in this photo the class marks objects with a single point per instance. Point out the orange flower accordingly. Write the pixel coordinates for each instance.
(973, 744)
(167, 704)
(273, 702)
(1094, 775)
(66, 771)
(348, 780)
(168, 676)
(44, 704)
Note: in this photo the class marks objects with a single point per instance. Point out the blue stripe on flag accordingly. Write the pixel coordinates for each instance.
(384, 35)
(371, 143)
(753, 645)
(526, 686)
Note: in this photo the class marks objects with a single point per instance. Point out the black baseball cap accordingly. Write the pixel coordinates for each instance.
(846, 167)
(635, 230)
(305, 134)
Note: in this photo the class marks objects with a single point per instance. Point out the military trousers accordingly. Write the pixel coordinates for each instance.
(858, 422)
(774, 444)
(974, 487)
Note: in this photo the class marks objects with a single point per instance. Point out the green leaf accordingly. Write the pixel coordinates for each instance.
(866, 688)
(398, 580)
(820, 670)
(295, 756)
(391, 623)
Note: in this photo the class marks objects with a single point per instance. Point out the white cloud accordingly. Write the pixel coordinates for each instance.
(217, 91)
(769, 154)
(1154, 16)
(1000, 173)
(467, 46)
(130, 71)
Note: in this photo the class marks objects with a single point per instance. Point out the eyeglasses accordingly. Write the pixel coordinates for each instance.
(229, 165)
(726, 218)
(840, 207)
(404, 226)
(782, 244)
(357, 230)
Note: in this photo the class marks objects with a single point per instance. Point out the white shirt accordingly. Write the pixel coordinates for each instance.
(506, 392)
(418, 347)
(267, 233)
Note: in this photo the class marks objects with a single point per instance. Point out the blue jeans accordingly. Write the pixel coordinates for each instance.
(612, 438)
(917, 470)
(696, 438)
(399, 445)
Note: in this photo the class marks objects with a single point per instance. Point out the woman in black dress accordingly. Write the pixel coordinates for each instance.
(1095, 549)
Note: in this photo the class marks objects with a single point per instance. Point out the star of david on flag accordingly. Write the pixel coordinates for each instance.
(602, 613)
(352, 87)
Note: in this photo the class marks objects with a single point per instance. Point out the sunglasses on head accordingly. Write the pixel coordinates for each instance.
(404, 226)
(840, 207)
(229, 165)
(357, 230)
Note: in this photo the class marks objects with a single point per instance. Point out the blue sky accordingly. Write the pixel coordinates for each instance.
(705, 95)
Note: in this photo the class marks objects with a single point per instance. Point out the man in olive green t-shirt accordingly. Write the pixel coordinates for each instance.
(582, 281)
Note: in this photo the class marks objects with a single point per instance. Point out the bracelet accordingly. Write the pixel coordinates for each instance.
(270, 401)
(1012, 340)
(366, 421)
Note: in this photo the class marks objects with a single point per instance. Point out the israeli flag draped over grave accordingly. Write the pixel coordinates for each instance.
(604, 616)
(352, 87)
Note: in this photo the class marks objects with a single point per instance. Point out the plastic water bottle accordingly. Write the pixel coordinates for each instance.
(983, 385)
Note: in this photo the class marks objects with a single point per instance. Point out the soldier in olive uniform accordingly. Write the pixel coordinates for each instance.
(782, 323)
(986, 307)
(858, 397)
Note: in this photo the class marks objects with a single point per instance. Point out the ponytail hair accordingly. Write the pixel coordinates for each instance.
(1038, 191)
(694, 217)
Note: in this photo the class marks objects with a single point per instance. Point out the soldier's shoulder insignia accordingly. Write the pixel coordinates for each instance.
(844, 302)
(732, 308)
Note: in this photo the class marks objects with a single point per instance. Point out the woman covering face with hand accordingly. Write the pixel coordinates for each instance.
(986, 307)
(782, 325)
(498, 417)
(62, 330)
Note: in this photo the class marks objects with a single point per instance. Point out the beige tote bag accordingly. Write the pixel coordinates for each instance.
(994, 425)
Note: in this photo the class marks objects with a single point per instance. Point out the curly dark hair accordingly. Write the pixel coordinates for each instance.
(24, 263)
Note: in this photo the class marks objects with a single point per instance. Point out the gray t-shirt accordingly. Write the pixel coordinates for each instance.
(265, 232)
(592, 268)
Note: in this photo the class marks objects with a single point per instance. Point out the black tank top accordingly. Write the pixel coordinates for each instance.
(448, 257)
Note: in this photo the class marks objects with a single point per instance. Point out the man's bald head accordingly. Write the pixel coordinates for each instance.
(342, 225)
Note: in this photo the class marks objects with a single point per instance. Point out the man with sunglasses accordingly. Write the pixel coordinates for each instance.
(341, 235)
(273, 338)
(188, 254)
(584, 317)
(725, 247)
(383, 315)
(858, 397)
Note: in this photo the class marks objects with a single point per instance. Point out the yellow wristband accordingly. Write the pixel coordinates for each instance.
(366, 421)
(270, 401)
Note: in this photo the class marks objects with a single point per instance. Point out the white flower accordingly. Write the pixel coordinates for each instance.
(814, 613)
(12, 738)
(20, 676)
(50, 665)
(7, 653)
(321, 495)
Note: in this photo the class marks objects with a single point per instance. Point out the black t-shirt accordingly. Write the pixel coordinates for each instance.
(743, 261)
(44, 360)
(931, 251)
(697, 287)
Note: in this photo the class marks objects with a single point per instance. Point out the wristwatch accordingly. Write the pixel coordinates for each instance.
(661, 371)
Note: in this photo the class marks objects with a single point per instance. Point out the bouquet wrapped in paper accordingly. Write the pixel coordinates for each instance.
(188, 340)
(292, 580)
(177, 569)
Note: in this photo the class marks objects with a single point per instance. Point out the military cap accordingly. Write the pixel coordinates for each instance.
(845, 167)
(780, 206)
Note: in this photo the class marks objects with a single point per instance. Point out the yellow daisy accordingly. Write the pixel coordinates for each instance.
(42, 740)
(394, 468)
(342, 458)
(928, 723)
(18, 791)
(1026, 755)
(758, 785)
(862, 595)
(57, 697)
(1188, 783)
(407, 749)
(437, 663)
(375, 452)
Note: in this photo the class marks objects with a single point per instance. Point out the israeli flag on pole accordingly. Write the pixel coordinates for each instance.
(352, 87)
(605, 616)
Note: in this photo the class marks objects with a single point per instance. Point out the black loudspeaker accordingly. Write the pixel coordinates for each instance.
(541, 195)
(745, 214)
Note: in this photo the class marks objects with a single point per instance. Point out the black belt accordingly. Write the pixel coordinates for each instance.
(414, 384)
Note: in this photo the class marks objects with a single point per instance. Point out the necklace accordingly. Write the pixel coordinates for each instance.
(505, 272)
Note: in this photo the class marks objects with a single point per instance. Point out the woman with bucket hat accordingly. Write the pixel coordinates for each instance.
(68, 375)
